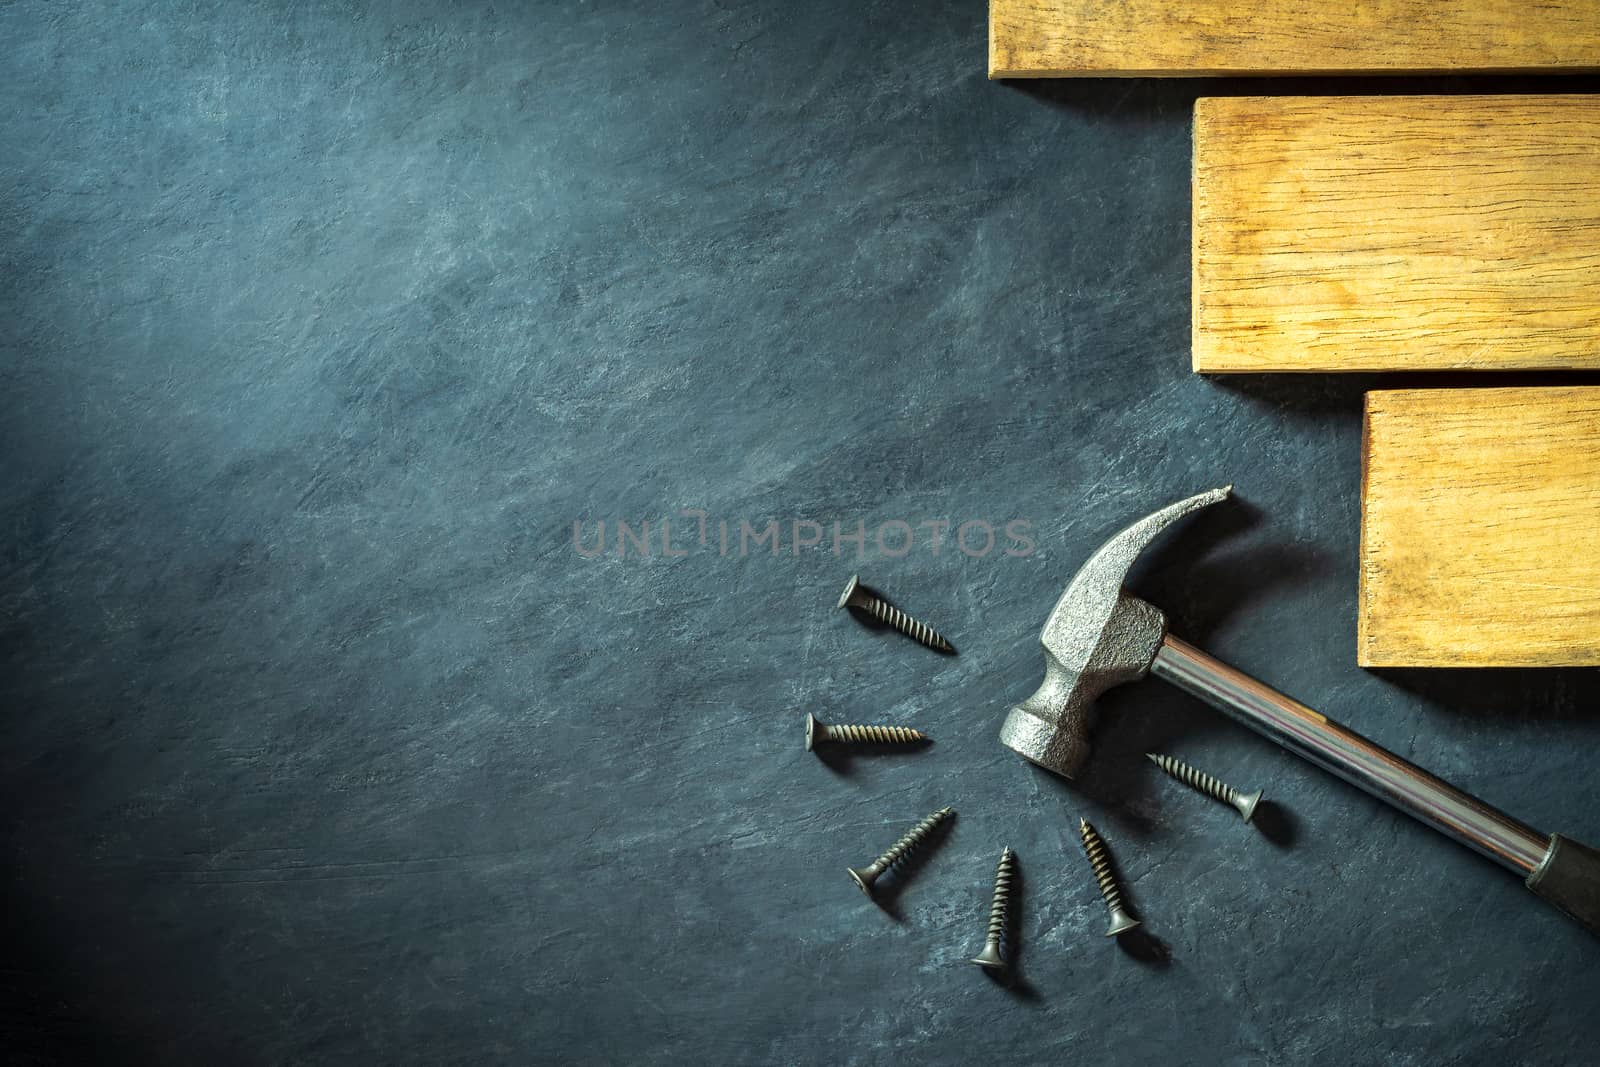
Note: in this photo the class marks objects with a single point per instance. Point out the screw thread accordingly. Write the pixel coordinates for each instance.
(1001, 905)
(913, 838)
(919, 632)
(1196, 779)
(1100, 861)
(880, 735)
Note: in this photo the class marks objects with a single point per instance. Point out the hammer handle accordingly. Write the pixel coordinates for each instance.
(1557, 868)
(1350, 756)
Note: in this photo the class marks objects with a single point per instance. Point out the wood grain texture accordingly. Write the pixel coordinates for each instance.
(1396, 233)
(1066, 38)
(1480, 528)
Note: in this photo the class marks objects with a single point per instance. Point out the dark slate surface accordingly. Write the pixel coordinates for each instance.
(320, 325)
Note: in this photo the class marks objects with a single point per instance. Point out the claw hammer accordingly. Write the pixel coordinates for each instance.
(1099, 636)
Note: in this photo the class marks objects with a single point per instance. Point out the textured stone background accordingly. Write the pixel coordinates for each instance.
(321, 324)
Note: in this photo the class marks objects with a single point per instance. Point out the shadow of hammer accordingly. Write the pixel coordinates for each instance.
(1098, 637)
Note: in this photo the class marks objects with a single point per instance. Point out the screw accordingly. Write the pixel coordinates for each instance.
(990, 956)
(1095, 849)
(856, 595)
(818, 731)
(865, 876)
(1244, 803)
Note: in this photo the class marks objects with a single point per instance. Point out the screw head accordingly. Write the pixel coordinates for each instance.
(862, 880)
(811, 728)
(1121, 923)
(1247, 804)
(849, 590)
(990, 957)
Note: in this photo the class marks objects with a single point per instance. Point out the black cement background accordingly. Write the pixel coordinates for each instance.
(321, 324)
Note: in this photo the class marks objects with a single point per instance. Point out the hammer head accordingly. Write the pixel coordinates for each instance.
(1097, 637)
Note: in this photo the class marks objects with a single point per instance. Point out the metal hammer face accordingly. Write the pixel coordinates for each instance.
(1097, 637)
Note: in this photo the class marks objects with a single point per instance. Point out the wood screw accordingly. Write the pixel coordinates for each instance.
(818, 731)
(999, 907)
(856, 595)
(1200, 781)
(864, 877)
(1095, 849)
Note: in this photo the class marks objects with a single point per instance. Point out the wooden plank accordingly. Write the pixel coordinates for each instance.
(1480, 528)
(1396, 233)
(1128, 38)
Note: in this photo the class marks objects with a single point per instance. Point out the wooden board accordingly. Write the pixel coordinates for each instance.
(1067, 38)
(1480, 528)
(1396, 233)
